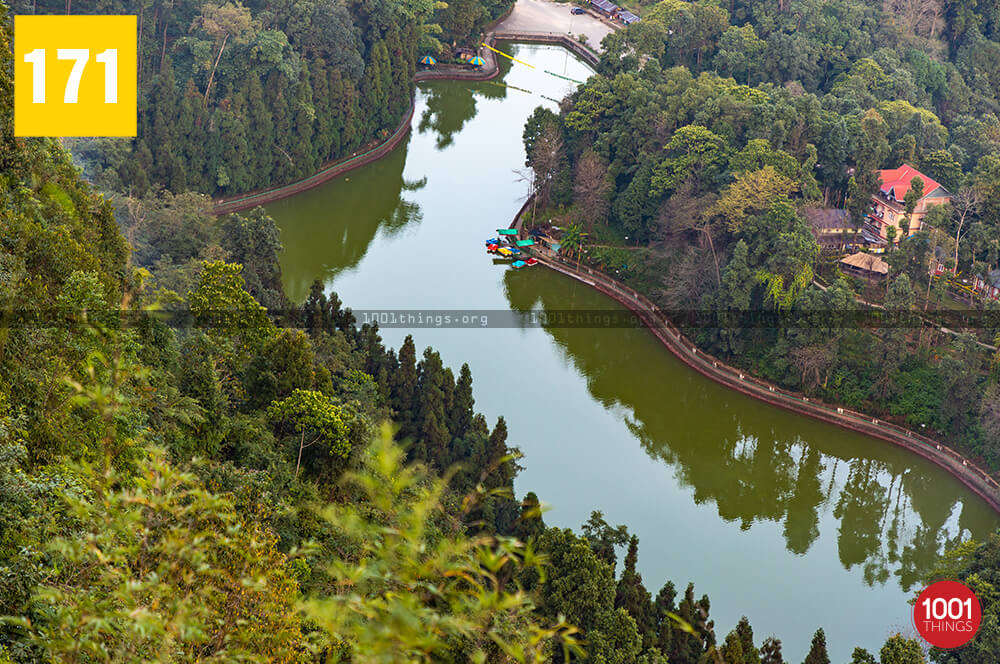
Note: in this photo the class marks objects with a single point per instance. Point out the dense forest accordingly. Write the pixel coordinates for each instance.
(188, 476)
(235, 96)
(687, 161)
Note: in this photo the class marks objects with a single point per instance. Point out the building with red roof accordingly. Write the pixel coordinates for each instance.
(889, 207)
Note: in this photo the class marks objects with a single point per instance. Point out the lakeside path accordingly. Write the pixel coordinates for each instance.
(966, 471)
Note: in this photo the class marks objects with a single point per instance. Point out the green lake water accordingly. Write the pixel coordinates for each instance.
(795, 523)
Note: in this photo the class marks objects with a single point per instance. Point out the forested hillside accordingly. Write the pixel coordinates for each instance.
(164, 488)
(687, 161)
(204, 487)
(235, 96)
(185, 477)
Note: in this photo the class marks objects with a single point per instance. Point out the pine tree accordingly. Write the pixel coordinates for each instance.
(632, 595)
(434, 388)
(732, 650)
(499, 511)
(462, 404)
(137, 168)
(664, 624)
(411, 35)
(500, 475)
(163, 108)
(376, 357)
(304, 153)
(688, 648)
(737, 286)
(817, 652)
(354, 129)
(276, 94)
(260, 134)
(430, 446)
(335, 116)
(314, 312)
(191, 137)
(398, 83)
(770, 651)
(344, 319)
(323, 105)
(375, 90)
(469, 451)
(216, 168)
(529, 523)
(236, 150)
(745, 632)
(404, 387)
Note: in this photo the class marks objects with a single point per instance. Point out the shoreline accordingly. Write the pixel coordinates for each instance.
(337, 167)
(973, 477)
(965, 471)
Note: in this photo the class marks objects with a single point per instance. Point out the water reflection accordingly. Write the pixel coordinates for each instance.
(739, 497)
(892, 521)
(447, 112)
(451, 104)
(336, 237)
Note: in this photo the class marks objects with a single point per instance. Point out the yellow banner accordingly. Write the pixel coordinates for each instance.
(75, 75)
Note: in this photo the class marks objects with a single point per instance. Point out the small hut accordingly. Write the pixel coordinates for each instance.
(627, 17)
(605, 7)
(832, 228)
(548, 246)
(865, 265)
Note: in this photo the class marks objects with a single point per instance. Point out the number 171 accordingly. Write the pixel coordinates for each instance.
(80, 56)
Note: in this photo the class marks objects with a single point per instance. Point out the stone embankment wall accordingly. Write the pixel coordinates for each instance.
(370, 153)
(975, 478)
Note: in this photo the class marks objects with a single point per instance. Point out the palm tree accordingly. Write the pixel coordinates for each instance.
(573, 239)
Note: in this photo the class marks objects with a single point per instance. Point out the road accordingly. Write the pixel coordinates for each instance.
(543, 17)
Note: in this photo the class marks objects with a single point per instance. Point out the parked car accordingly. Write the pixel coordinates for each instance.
(577, 10)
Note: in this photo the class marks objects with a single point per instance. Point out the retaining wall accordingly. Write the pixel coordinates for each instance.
(338, 167)
(578, 49)
(967, 472)
(971, 475)
(329, 171)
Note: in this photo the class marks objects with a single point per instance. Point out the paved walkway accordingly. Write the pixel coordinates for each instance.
(550, 18)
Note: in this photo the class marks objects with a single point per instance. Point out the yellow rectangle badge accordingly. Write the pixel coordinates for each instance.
(75, 75)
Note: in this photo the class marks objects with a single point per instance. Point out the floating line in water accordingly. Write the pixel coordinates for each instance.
(511, 57)
(512, 87)
(551, 73)
(572, 80)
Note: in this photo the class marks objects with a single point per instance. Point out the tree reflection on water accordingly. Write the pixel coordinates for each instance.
(891, 522)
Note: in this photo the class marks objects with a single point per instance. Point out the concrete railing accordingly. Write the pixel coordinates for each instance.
(326, 173)
(580, 50)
